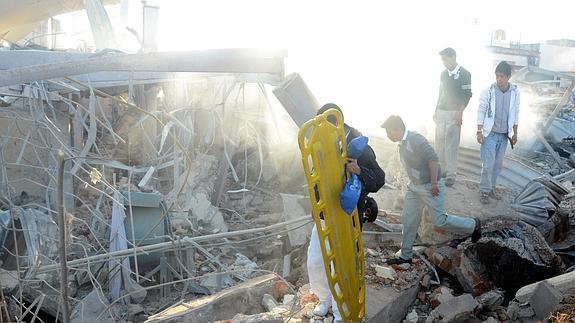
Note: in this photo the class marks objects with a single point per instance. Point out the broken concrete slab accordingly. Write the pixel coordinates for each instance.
(517, 311)
(388, 305)
(563, 283)
(93, 308)
(505, 258)
(243, 298)
(545, 299)
(457, 307)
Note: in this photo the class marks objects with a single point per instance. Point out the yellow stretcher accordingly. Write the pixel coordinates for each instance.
(324, 150)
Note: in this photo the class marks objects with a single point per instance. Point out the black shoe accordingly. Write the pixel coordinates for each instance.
(476, 235)
(456, 242)
(398, 261)
(494, 195)
(484, 198)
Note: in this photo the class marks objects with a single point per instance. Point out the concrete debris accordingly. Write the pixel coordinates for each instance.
(216, 282)
(134, 309)
(493, 261)
(289, 299)
(457, 307)
(412, 317)
(244, 298)
(491, 300)
(308, 310)
(261, 317)
(160, 172)
(209, 217)
(387, 304)
(178, 175)
(269, 303)
(442, 257)
(281, 289)
(563, 283)
(434, 316)
(545, 299)
(441, 295)
(244, 265)
(385, 272)
(399, 277)
(371, 252)
(9, 279)
(520, 254)
(426, 281)
(517, 311)
(491, 320)
(93, 308)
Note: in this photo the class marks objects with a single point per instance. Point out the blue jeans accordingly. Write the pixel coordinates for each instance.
(492, 153)
(419, 196)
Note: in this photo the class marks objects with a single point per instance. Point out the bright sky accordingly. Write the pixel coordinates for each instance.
(372, 58)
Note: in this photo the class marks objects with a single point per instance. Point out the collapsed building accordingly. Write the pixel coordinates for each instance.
(150, 187)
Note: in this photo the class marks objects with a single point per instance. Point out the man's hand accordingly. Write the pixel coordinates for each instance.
(352, 166)
(459, 117)
(514, 140)
(480, 137)
(434, 189)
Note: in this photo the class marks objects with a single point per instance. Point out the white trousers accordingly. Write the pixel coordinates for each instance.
(316, 273)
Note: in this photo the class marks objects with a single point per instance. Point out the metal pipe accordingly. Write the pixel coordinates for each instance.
(206, 61)
(172, 244)
(62, 234)
(557, 109)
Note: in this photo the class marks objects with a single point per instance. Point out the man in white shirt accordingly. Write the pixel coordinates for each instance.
(497, 120)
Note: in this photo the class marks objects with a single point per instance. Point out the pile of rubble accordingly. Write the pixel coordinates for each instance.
(400, 277)
(170, 179)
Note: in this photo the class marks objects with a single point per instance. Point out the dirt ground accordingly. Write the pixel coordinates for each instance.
(462, 199)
